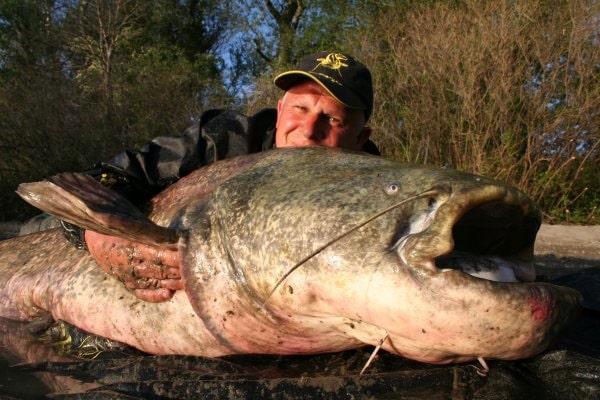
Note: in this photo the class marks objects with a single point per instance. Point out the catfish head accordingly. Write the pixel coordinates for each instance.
(318, 250)
(313, 250)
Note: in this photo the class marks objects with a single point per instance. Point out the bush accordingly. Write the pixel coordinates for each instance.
(504, 89)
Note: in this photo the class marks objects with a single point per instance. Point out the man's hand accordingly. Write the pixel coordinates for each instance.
(150, 272)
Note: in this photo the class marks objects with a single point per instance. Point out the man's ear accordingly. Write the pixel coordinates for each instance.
(279, 105)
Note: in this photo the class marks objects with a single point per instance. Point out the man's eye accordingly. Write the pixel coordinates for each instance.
(334, 120)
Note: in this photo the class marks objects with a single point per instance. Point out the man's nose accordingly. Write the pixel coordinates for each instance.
(314, 127)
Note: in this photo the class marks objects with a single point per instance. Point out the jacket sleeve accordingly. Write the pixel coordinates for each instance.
(140, 174)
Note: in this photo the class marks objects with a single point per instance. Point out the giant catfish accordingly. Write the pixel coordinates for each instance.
(298, 251)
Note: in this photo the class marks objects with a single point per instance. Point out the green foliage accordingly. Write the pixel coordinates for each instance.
(80, 81)
(273, 35)
(505, 89)
(147, 56)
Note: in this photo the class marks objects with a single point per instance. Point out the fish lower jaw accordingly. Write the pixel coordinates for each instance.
(458, 348)
(437, 358)
(491, 268)
(444, 358)
(439, 352)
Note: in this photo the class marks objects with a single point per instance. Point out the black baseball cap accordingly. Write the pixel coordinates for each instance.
(343, 77)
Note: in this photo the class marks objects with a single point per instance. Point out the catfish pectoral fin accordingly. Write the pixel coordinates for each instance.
(81, 200)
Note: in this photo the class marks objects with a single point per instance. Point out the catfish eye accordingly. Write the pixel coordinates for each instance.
(392, 188)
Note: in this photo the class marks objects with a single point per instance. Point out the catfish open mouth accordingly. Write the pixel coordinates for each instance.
(488, 238)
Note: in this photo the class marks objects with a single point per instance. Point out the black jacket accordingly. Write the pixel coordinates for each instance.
(219, 134)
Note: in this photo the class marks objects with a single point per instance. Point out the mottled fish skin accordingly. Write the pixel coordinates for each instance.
(43, 273)
(242, 224)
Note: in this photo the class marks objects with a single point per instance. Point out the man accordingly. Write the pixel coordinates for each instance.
(328, 100)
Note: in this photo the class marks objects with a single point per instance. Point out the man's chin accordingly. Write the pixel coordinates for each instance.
(299, 144)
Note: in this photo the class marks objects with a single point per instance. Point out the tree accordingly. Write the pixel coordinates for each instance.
(97, 32)
(132, 56)
(35, 111)
(82, 80)
(272, 35)
(504, 89)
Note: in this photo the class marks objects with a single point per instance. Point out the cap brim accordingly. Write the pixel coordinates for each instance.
(288, 79)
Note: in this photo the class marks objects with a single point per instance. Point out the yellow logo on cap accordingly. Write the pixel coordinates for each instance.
(332, 61)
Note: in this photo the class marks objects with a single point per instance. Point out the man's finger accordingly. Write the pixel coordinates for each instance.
(173, 284)
(141, 283)
(153, 284)
(154, 295)
(148, 269)
(129, 260)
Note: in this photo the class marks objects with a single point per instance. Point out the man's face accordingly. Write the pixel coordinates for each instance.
(308, 116)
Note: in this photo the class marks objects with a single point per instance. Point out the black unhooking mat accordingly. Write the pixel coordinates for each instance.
(570, 369)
